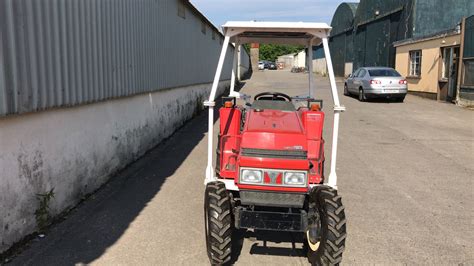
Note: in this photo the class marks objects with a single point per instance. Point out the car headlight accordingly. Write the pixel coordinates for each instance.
(295, 178)
(251, 176)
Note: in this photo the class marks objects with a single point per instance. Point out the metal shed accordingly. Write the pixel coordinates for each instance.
(66, 53)
(377, 24)
(341, 37)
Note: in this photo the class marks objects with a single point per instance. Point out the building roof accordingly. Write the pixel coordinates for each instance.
(437, 35)
(201, 15)
(343, 18)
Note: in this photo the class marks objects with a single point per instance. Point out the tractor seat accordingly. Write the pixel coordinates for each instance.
(273, 105)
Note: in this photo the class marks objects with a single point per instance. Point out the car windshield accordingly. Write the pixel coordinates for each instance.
(383, 73)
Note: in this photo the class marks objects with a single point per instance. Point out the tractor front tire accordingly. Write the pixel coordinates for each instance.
(218, 223)
(328, 250)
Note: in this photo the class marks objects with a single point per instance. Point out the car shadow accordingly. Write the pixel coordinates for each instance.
(375, 100)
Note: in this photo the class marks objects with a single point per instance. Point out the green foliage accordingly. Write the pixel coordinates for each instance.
(42, 213)
(271, 52)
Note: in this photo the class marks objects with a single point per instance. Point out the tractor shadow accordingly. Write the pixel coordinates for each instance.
(268, 243)
(84, 234)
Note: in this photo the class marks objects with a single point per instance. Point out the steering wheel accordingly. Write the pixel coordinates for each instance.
(275, 96)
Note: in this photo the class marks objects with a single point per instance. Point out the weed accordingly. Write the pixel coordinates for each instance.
(42, 213)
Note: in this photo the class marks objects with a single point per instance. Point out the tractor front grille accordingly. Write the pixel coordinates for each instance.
(280, 154)
(272, 199)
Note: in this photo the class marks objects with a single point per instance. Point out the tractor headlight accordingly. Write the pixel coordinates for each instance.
(251, 176)
(295, 178)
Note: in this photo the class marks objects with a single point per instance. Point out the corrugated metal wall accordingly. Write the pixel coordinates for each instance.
(466, 91)
(378, 24)
(469, 38)
(67, 52)
(340, 42)
(432, 16)
(244, 61)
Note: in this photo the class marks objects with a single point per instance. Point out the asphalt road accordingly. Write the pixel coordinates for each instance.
(405, 174)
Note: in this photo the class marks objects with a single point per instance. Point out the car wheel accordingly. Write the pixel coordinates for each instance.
(362, 97)
(346, 91)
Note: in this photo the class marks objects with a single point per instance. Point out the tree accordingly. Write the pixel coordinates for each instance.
(271, 52)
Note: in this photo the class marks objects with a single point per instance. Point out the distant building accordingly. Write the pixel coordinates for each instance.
(430, 64)
(363, 34)
(441, 65)
(286, 60)
(293, 60)
(341, 41)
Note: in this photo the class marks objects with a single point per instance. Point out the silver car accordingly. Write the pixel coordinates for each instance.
(376, 82)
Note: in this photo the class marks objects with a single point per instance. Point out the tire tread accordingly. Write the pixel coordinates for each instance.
(218, 208)
(333, 243)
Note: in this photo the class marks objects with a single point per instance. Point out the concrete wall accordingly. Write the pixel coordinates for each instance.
(348, 69)
(431, 61)
(75, 150)
(319, 66)
(244, 62)
(286, 60)
(300, 59)
(254, 56)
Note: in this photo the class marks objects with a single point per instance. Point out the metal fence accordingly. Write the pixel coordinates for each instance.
(57, 53)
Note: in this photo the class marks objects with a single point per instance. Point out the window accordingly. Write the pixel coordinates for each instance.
(446, 63)
(354, 75)
(450, 55)
(415, 63)
(213, 35)
(181, 9)
(203, 27)
(362, 73)
(387, 72)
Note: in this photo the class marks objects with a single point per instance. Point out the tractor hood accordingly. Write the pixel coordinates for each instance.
(273, 130)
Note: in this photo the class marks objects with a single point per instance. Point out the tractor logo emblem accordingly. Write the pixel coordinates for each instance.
(274, 176)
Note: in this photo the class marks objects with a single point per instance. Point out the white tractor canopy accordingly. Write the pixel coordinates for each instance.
(296, 33)
(293, 33)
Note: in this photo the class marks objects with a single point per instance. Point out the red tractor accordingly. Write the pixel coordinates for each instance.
(269, 172)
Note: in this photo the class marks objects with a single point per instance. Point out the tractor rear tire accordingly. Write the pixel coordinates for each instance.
(218, 223)
(332, 235)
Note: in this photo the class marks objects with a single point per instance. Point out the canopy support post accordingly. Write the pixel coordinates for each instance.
(332, 180)
(239, 74)
(210, 103)
(310, 68)
(234, 68)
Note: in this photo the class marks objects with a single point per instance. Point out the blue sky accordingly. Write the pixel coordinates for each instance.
(220, 11)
